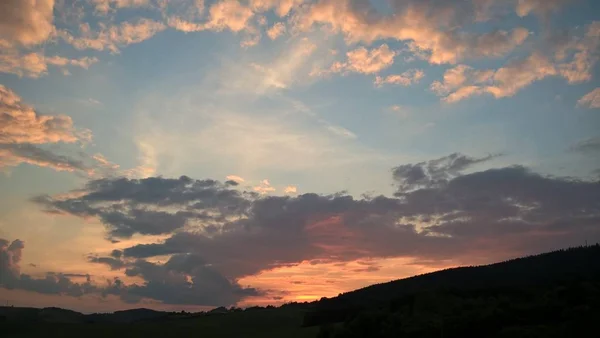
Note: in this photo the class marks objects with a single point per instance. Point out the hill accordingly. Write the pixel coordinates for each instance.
(537, 270)
(548, 295)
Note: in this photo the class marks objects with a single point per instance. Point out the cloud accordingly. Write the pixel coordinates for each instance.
(84, 62)
(434, 172)
(516, 75)
(291, 142)
(459, 76)
(280, 7)
(398, 111)
(407, 78)
(147, 158)
(232, 15)
(25, 136)
(362, 60)
(24, 132)
(25, 22)
(51, 283)
(113, 37)
(104, 162)
(12, 155)
(105, 6)
(462, 81)
(590, 145)
(538, 7)
(184, 25)
(264, 187)
(277, 74)
(183, 279)
(277, 30)
(439, 212)
(229, 14)
(341, 131)
(10, 256)
(432, 30)
(129, 206)
(21, 124)
(290, 189)
(31, 65)
(113, 263)
(35, 64)
(590, 100)
(235, 178)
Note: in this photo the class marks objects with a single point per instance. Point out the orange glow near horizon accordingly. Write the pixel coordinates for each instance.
(308, 282)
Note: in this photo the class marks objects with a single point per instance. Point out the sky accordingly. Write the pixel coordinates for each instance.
(190, 154)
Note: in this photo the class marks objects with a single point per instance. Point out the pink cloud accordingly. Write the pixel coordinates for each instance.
(26, 22)
(235, 178)
(276, 30)
(290, 189)
(21, 124)
(539, 7)
(431, 31)
(462, 81)
(407, 78)
(361, 60)
(264, 187)
(280, 7)
(229, 14)
(590, 100)
(104, 6)
(24, 132)
(35, 65)
(115, 36)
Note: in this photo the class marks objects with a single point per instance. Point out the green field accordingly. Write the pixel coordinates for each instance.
(258, 323)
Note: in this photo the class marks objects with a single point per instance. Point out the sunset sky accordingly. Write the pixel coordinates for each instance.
(189, 154)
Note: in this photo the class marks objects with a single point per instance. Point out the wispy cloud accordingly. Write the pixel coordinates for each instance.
(590, 100)
(407, 78)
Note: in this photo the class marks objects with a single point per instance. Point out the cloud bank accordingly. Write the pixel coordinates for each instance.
(218, 233)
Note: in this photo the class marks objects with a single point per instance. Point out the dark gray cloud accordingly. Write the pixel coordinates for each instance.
(183, 279)
(52, 283)
(29, 153)
(10, 256)
(439, 213)
(434, 172)
(77, 275)
(116, 253)
(130, 206)
(588, 146)
(113, 263)
(497, 213)
(145, 222)
(367, 269)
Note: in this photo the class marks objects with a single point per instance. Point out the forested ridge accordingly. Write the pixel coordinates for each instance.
(556, 294)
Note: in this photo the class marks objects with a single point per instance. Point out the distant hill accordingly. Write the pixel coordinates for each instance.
(48, 315)
(57, 315)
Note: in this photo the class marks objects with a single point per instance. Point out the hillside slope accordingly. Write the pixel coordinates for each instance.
(555, 294)
(553, 267)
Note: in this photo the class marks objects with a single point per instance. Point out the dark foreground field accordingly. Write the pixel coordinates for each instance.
(257, 323)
